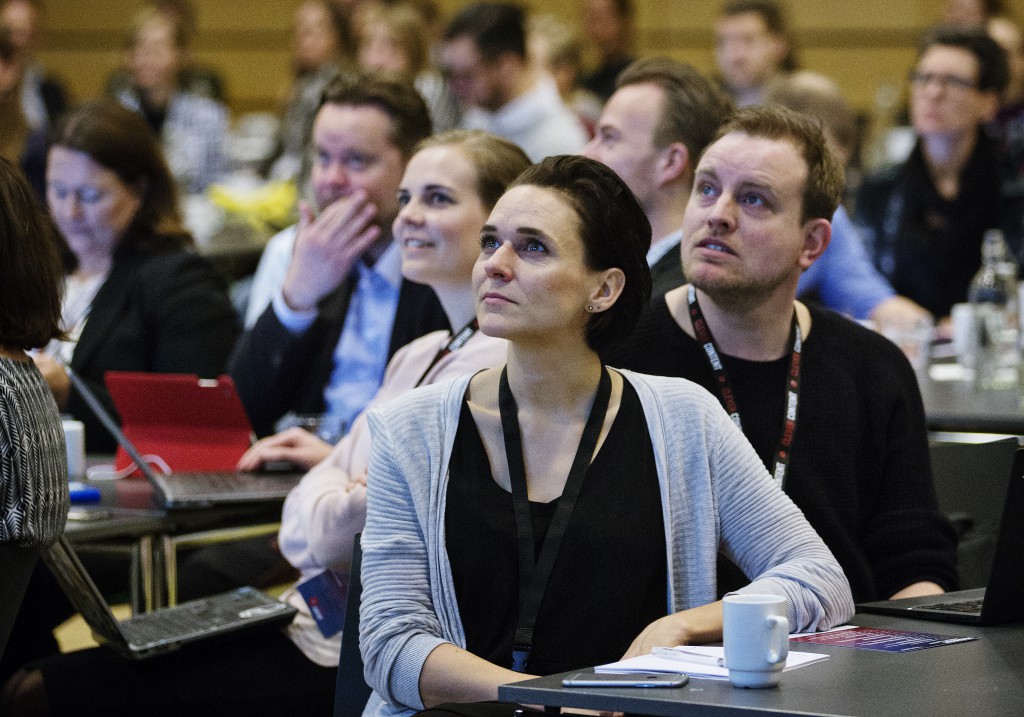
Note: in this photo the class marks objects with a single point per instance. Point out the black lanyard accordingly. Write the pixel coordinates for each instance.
(727, 395)
(535, 573)
(455, 343)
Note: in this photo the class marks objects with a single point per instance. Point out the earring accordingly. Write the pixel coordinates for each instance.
(590, 308)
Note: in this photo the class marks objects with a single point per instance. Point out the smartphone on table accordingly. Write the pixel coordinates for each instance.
(629, 679)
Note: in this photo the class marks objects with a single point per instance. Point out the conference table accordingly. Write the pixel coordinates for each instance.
(956, 405)
(126, 519)
(980, 677)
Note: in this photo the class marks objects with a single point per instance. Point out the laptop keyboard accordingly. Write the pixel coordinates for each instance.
(965, 606)
(200, 484)
(198, 617)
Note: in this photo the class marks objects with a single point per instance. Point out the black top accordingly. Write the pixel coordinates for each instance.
(610, 579)
(859, 469)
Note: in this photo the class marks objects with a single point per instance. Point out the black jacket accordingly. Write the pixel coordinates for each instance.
(277, 371)
(167, 312)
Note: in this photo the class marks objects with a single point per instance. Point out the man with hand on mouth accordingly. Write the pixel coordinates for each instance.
(832, 408)
(338, 305)
(330, 304)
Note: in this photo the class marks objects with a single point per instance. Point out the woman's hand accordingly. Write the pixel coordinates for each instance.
(700, 624)
(294, 445)
(56, 377)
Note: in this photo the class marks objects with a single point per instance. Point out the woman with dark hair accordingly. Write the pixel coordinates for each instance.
(137, 297)
(553, 481)
(446, 193)
(33, 466)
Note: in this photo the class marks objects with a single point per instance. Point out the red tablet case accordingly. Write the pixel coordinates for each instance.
(194, 424)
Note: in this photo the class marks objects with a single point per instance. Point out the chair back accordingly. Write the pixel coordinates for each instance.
(16, 564)
(351, 692)
(971, 471)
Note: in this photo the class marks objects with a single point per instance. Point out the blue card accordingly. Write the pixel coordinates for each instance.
(326, 595)
(83, 493)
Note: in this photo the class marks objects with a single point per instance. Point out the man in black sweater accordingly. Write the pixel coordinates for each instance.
(834, 412)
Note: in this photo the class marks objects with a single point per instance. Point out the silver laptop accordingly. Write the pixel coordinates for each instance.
(194, 489)
(161, 631)
(1003, 599)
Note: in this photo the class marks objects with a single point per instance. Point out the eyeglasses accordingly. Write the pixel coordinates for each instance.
(921, 80)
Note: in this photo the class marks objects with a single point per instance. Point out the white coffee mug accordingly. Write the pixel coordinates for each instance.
(74, 439)
(756, 637)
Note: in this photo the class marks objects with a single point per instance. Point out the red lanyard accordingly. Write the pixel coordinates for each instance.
(728, 396)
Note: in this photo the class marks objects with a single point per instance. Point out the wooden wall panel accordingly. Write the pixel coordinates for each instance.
(861, 43)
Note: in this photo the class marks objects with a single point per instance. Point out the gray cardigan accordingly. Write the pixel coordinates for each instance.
(715, 494)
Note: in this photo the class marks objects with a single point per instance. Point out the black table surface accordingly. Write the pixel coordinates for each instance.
(981, 677)
(127, 509)
(959, 406)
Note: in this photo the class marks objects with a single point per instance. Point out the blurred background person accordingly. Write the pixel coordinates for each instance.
(1008, 127)
(191, 128)
(195, 78)
(608, 26)
(923, 220)
(43, 97)
(395, 37)
(971, 13)
(33, 464)
(192, 77)
(555, 49)
(14, 127)
(483, 57)
(752, 46)
(138, 298)
(651, 132)
(321, 45)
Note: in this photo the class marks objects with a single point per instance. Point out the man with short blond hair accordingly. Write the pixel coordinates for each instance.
(832, 408)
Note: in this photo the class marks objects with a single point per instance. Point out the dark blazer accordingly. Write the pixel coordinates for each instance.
(277, 371)
(667, 273)
(165, 313)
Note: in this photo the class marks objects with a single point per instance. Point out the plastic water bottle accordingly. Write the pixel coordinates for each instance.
(993, 298)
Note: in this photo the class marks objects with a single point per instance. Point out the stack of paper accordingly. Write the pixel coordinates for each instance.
(698, 661)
